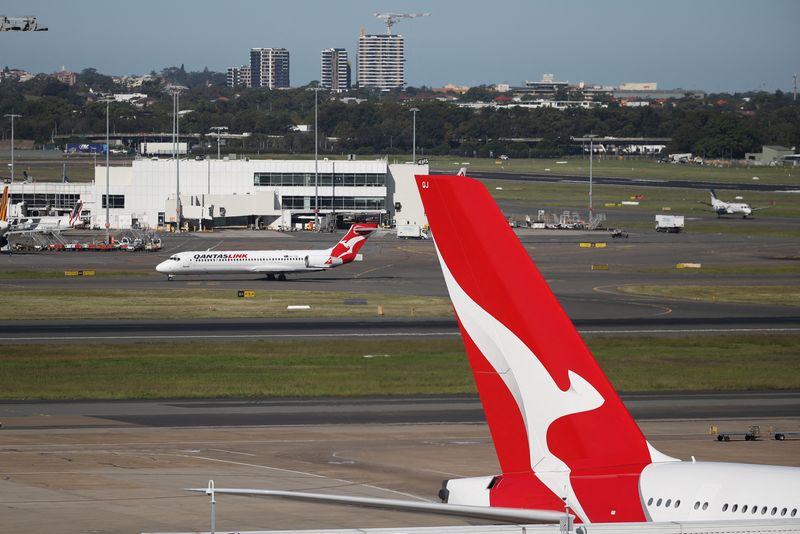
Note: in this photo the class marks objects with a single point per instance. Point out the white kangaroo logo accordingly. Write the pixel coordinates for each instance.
(540, 400)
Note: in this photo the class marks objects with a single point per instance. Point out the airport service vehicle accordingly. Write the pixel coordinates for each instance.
(669, 223)
(272, 263)
(565, 442)
(410, 231)
(729, 208)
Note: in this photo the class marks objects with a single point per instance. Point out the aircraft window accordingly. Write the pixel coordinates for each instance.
(725, 507)
(650, 501)
(773, 511)
(783, 511)
(705, 506)
(794, 512)
(677, 503)
(744, 508)
(763, 510)
(666, 504)
(697, 505)
(658, 502)
(735, 507)
(753, 509)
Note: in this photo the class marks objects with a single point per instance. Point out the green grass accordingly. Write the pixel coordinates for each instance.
(395, 367)
(627, 168)
(784, 295)
(652, 200)
(211, 303)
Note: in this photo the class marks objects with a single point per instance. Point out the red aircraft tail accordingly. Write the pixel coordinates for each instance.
(559, 428)
(347, 248)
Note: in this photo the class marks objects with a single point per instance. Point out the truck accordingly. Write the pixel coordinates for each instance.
(669, 223)
(162, 149)
(411, 231)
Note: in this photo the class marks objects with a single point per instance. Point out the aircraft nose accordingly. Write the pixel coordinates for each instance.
(162, 267)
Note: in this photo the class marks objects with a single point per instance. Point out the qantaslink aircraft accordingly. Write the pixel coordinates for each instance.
(274, 264)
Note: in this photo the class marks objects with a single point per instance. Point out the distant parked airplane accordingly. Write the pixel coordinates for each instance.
(729, 208)
(272, 263)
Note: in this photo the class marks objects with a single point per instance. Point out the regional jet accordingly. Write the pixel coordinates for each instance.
(568, 448)
(729, 208)
(272, 263)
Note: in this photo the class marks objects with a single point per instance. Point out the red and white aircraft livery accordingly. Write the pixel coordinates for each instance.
(562, 435)
(272, 263)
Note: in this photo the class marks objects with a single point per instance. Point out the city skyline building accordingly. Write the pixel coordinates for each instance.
(239, 76)
(269, 67)
(381, 61)
(335, 69)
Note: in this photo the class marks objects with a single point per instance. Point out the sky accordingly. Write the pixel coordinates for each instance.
(713, 45)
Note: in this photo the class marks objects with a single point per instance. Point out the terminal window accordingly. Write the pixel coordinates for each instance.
(325, 179)
(115, 201)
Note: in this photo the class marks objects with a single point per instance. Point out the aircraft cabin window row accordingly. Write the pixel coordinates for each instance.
(667, 503)
(764, 509)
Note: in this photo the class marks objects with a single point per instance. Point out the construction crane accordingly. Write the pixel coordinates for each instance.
(20, 24)
(393, 18)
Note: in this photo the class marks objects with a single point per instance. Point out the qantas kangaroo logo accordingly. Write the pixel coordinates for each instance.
(348, 247)
(540, 400)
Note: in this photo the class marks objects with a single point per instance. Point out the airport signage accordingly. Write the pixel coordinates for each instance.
(246, 294)
(78, 273)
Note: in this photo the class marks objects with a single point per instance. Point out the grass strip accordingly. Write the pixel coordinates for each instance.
(385, 367)
(196, 303)
(784, 295)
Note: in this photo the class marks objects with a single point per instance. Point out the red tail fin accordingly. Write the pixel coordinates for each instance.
(4, 204)
(75, 214)
(551, 410)
(347, 248)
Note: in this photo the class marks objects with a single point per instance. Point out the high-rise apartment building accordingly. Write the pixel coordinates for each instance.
(335, 70)
(381, 61)
(239, 76)
(269, 67)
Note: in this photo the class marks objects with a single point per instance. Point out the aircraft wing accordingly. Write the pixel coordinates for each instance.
(706, 203)
(509, 515)
(760, 208)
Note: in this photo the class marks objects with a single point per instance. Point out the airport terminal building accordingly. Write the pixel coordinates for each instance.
(277, 194)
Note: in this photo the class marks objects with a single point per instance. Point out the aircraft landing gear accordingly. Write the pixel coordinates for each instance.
(270, 277)
(170, 278)
(282, 277)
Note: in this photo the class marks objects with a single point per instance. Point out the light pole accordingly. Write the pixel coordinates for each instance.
(12, 116)
(108, 195)
(316, 158)
(414, 136)
(219, 130)
(591, 158)
(176, 91)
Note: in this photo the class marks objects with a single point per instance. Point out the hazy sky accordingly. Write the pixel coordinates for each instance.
(732, 45)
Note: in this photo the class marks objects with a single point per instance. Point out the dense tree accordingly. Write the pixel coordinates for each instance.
(721, 125)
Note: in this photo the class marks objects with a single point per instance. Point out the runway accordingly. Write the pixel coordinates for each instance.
(82, 331)
(369, 410)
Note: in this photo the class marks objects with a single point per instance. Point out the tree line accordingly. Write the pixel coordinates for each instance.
(370, 122)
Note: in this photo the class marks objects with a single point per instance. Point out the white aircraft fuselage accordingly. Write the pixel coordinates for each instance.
(268, 262)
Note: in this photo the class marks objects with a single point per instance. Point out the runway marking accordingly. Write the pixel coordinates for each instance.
(373, 269)
(230, 336)
(413, 251)
(232, 452)
(305, 473)
(604, 289)
(690, 330)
